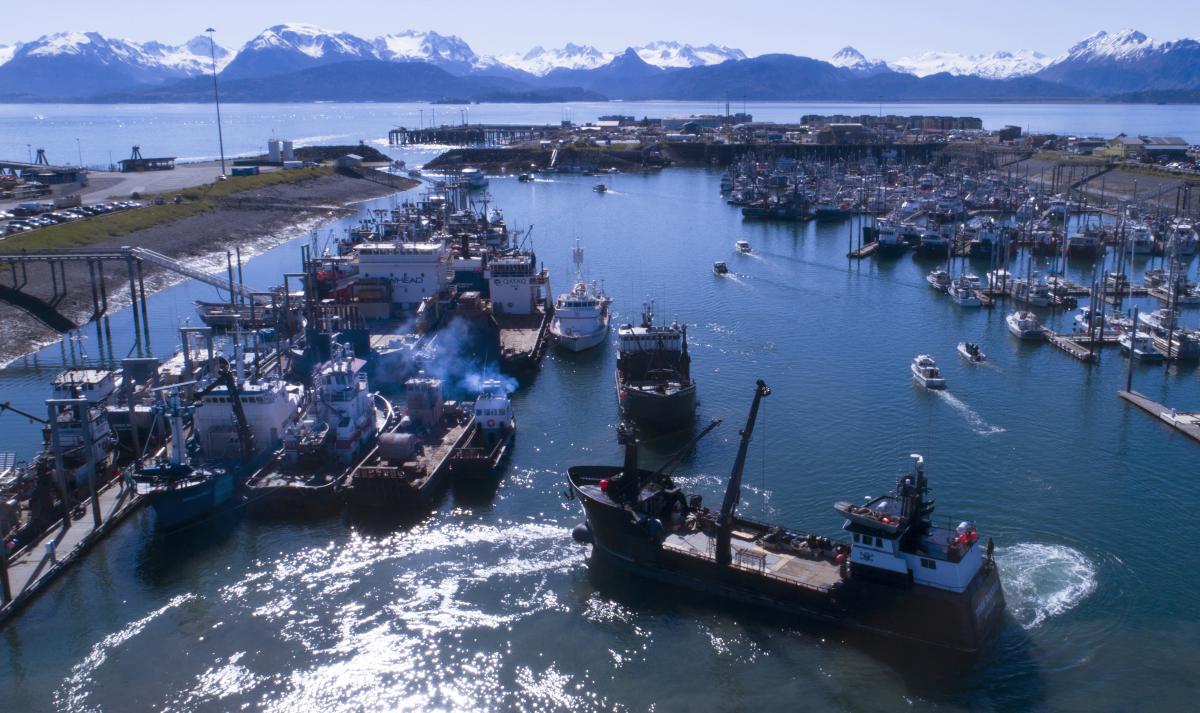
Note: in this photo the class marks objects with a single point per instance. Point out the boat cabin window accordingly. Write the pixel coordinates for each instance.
(928, 563)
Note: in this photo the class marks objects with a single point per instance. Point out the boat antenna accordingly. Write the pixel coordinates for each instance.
(733, 492)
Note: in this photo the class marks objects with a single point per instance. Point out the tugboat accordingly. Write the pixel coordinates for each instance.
(926, 372)
(490, 436)
(654, 382)
(971, 352)
(323, 444)
(899, 575)
(581, 316)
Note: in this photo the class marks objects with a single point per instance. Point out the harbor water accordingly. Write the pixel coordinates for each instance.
(107, 131)
(488, 603)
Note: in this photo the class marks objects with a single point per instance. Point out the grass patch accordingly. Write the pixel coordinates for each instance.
(196, 200)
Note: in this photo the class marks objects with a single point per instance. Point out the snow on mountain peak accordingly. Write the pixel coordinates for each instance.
(1125, 44)
(852, 59)
(541, 61)
(7, 52)
(411, 45)
(665, 53)
(997, 65)
(312, 41)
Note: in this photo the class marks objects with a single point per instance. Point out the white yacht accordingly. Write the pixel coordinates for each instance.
(1035, 292)
(1182, 240)
(939, 280)
(926, 372)
(1025, 325)
(1158, 320)
(742, 246)
(964, 294)
(1141, 239)
(580, 316)
(1139, 346)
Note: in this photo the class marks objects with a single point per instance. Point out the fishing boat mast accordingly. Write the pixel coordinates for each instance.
(733, 492)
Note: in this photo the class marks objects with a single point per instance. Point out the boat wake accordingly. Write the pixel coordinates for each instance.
(1042, 581)
(974, 420)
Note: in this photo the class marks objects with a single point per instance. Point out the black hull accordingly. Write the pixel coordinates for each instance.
(891, 250)
(292, 500)
(658, 409)
(915, 614)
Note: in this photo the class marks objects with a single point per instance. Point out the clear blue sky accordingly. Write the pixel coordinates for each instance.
(886, 29)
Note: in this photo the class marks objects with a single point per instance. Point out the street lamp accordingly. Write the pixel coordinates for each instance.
(29, 148)
(79, 148)
(212, 50)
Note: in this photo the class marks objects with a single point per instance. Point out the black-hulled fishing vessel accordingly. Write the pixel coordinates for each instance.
(898, 576)
(654, 379)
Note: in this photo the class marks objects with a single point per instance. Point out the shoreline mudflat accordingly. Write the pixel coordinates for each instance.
(258, 219)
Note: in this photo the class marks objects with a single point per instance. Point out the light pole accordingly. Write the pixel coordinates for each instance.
(29, 149)
(79, 148)
(212, 50)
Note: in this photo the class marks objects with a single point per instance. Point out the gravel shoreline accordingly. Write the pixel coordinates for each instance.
(254, 220)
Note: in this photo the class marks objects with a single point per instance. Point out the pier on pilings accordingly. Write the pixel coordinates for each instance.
(472, 134)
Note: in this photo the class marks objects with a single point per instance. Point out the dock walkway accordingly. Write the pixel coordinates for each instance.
(32, 568)
(864, 251)
(1187, 423)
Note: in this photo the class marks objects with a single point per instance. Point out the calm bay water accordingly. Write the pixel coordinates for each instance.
(106, 132)
(488, 604)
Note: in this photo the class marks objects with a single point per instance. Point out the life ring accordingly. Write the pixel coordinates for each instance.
(491, 423)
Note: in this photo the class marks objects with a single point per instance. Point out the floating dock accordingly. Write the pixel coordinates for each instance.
(1185, 422)
(865, 251)
(1081, 345)
(31, 569)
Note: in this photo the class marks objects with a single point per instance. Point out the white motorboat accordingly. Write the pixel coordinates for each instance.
(1139, 346)
(1141, 239)
(1025, 325)
(581, 318)
(964, 294)
(939, 280)
(999, 279)
(720, 268)
(971, 352)
(926, 372)
(742, 246)
(1035, 292)
(1159, 320)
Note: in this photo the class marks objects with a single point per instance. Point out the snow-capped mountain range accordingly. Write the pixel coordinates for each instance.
(997, 65)
(186, 59)
(79, 64)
